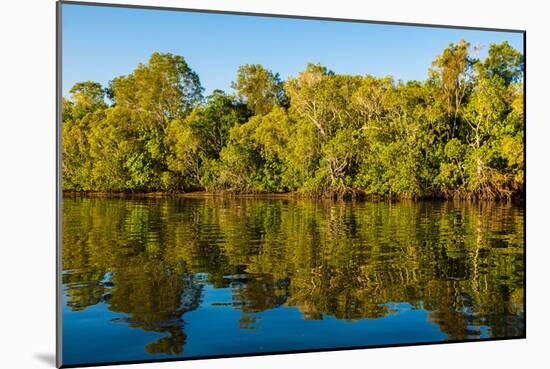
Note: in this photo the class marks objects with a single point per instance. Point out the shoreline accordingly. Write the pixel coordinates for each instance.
(195, 194)
(282, 196)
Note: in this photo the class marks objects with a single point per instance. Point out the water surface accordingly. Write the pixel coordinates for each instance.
(156, 278)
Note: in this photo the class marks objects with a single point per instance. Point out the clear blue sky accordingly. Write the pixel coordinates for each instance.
(100, 43)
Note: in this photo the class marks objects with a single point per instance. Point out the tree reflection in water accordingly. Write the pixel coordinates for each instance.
(150, 259)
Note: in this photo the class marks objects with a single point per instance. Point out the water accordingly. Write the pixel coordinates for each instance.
(162, 278)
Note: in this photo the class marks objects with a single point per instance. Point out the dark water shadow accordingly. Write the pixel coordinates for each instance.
(46, 358)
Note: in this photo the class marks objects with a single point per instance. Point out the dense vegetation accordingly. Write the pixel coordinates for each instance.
(462, 263)
(458, 134)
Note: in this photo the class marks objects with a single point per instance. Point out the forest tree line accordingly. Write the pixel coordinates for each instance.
(458, 134)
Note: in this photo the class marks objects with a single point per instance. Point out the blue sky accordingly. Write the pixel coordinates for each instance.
(100, 43)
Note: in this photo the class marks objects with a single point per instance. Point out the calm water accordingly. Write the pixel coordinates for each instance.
(165, 278)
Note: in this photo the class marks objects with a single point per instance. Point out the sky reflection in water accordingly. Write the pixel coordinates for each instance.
(175, 277)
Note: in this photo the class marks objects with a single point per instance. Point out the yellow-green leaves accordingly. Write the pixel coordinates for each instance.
(259, 88)
(458, 134)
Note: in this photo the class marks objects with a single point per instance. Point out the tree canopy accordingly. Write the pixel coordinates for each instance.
(460, 133)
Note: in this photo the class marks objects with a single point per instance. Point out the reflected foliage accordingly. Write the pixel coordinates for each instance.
(150, 258)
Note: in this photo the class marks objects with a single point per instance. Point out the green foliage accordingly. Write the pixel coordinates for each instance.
(458, 134)
(163, 89)
(86, 97)
(260, 88)
(200, 137)
(256, 154)
(505, 62)
(322, 98)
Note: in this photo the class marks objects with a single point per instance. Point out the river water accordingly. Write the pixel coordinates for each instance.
(156, 278)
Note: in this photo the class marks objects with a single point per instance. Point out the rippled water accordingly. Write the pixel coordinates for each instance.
(177, 277)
